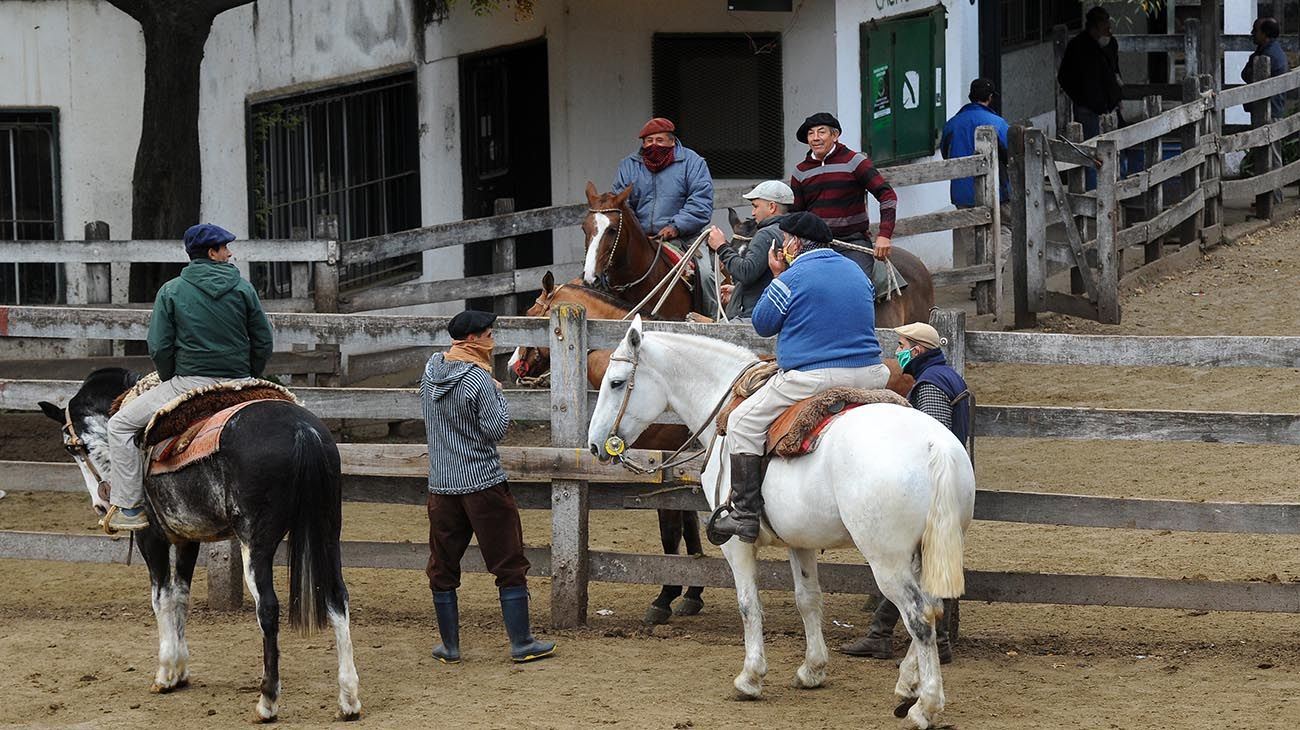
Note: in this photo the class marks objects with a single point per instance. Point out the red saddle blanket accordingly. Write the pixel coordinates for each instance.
(200, 440)
(674, 254)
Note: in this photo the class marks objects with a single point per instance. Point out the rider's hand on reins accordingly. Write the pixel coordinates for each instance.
(882, 248)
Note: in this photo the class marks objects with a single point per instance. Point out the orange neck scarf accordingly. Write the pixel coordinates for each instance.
(476, 352)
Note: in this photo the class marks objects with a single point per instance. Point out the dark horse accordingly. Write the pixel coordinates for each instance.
(277, 472)
(674, 525)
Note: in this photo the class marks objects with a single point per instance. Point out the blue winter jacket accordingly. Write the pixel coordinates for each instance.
(680, 195)
(958, 140)
(823, 308)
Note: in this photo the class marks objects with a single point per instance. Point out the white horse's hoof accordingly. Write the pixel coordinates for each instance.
(349, 708)
(904, 704)
(162, 688)
(916, 719)
(805, 678)
(748, 688)
(266, 711)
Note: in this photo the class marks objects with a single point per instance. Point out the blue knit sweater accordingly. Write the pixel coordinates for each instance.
(822, 308)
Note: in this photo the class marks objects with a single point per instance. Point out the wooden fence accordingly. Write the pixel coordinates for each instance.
(577, 484)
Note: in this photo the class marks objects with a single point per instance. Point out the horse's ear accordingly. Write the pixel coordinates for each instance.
(592, 195)
(622, 197)
(51, 410)
(634, 332)
(732, 218)
(548, 282)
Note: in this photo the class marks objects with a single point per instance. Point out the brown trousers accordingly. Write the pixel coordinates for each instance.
(493, 516)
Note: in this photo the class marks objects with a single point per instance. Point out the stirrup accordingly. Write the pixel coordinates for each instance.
(710, 528)
(103, 521)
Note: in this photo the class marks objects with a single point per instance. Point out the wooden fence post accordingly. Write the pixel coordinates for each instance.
(225, 576)
(1212, 215)
(1261, 114)
(1190, 181)
(951, 323)
(1107, 227)
(1064, 107)
(1076, 182)
(1035, 220)
(1191, 48)
(569, 550)
(1021, 316)
(503, 260)
(988, 239)
(325, 275)
(98, 282)
(1211, 26)
(1152, 199)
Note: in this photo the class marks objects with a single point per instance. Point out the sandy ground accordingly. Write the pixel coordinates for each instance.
(77, 641)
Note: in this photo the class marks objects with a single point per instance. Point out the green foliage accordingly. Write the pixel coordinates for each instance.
(264, 122)
(436, 11)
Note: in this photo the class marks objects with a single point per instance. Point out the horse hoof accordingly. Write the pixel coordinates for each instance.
(259, 720)
(904, 705)
(656, 615)
(746, 690)
(342, 716)
(688, 607)
(805, 678)
(162, 689)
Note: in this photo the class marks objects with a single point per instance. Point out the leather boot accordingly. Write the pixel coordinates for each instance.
(879, 641)
(448, 613)
(746, 501)
(514, 611)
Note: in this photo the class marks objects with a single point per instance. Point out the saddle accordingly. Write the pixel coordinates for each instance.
(188, 428)
(798, 430)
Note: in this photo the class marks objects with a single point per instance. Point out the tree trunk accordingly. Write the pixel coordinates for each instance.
(167, 184)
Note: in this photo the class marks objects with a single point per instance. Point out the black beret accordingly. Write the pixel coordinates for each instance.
(469, 322)
(806, 226)
(817, 120)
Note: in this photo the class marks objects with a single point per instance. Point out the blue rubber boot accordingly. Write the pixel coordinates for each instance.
(448, 612)
(514, 610)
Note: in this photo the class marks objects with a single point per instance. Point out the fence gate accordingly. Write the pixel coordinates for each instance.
(1055, 200)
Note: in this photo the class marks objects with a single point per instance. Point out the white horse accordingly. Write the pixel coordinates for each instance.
(890, 480)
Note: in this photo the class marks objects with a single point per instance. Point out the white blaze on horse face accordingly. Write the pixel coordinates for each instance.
(593, 246)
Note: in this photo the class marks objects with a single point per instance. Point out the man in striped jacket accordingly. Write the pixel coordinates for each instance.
(832, 182)
(465, 416)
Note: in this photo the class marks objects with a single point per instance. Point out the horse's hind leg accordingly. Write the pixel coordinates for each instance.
(920, 686)
(808, 597)
(170, 599)
(339, 617)
(670, 536)
(693, 602)
(257, 574)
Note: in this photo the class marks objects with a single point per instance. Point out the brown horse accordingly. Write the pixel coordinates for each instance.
(674, 525)
(913, 304)
(622, 260)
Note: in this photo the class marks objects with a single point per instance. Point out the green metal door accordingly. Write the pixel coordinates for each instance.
(902, 86)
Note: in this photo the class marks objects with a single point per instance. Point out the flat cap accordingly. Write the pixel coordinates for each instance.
(806, 226)
(817, 120)
(921, 334)
(204, 236)
(773, 190)
(469, 322)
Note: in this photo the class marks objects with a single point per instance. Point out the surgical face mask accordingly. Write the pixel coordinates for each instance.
(1104, 41)
(904, 357)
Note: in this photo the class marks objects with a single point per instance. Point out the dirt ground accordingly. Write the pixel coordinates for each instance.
(77, 641)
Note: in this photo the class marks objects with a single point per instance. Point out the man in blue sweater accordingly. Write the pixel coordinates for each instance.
(820, 305)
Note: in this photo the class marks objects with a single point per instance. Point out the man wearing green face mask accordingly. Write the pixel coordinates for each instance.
(941, 393)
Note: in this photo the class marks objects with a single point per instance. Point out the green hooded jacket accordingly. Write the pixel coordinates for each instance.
(208, 321)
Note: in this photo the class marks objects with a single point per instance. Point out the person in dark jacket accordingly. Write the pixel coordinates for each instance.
(1089, 72)
(1265, 33)
(820, 306)
(207, 326)
(747, 261)
(939, 392)
(465, 416)
(832, 182)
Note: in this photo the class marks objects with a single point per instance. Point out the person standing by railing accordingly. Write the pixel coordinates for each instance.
(1265, 33)
(1089, 72)
(958, 140)
(465, 416)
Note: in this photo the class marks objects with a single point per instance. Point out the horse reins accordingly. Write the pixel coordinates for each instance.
(609, 260)
(77, 447)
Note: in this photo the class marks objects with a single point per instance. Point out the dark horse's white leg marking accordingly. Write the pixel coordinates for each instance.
(349, 701)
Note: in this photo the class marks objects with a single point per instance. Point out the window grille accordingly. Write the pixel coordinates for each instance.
(723, 91)
(352, 152)
(29, 202)
(1025, 22)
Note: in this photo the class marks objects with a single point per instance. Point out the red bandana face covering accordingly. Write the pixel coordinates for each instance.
(657, 158)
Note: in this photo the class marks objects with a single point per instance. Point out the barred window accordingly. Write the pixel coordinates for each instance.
(1025, 22)
(29, 202)
(352, 152)
(723, 91)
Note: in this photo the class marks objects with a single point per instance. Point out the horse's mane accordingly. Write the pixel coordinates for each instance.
(674, 340)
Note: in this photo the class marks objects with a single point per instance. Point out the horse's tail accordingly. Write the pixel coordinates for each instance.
(943, 541)
(315, 565)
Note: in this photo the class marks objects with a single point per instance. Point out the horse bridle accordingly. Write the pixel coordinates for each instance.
(76, 447)
(609, 260)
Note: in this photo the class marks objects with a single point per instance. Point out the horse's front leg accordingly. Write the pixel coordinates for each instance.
(170, 600)
(670, 537)
(743, 558)
(808, 597)
(693, 602)
(257, 574)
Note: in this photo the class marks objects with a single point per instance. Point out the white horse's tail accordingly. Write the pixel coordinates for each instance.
(943, 541)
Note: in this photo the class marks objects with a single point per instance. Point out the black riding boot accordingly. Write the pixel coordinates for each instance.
(514, 611)
(448, 613)
(879, 641)
(746, 501)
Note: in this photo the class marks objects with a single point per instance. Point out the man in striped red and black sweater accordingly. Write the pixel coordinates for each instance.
(832, 181)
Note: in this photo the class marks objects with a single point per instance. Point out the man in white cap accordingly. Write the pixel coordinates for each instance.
(941, 393)
(747, 262)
